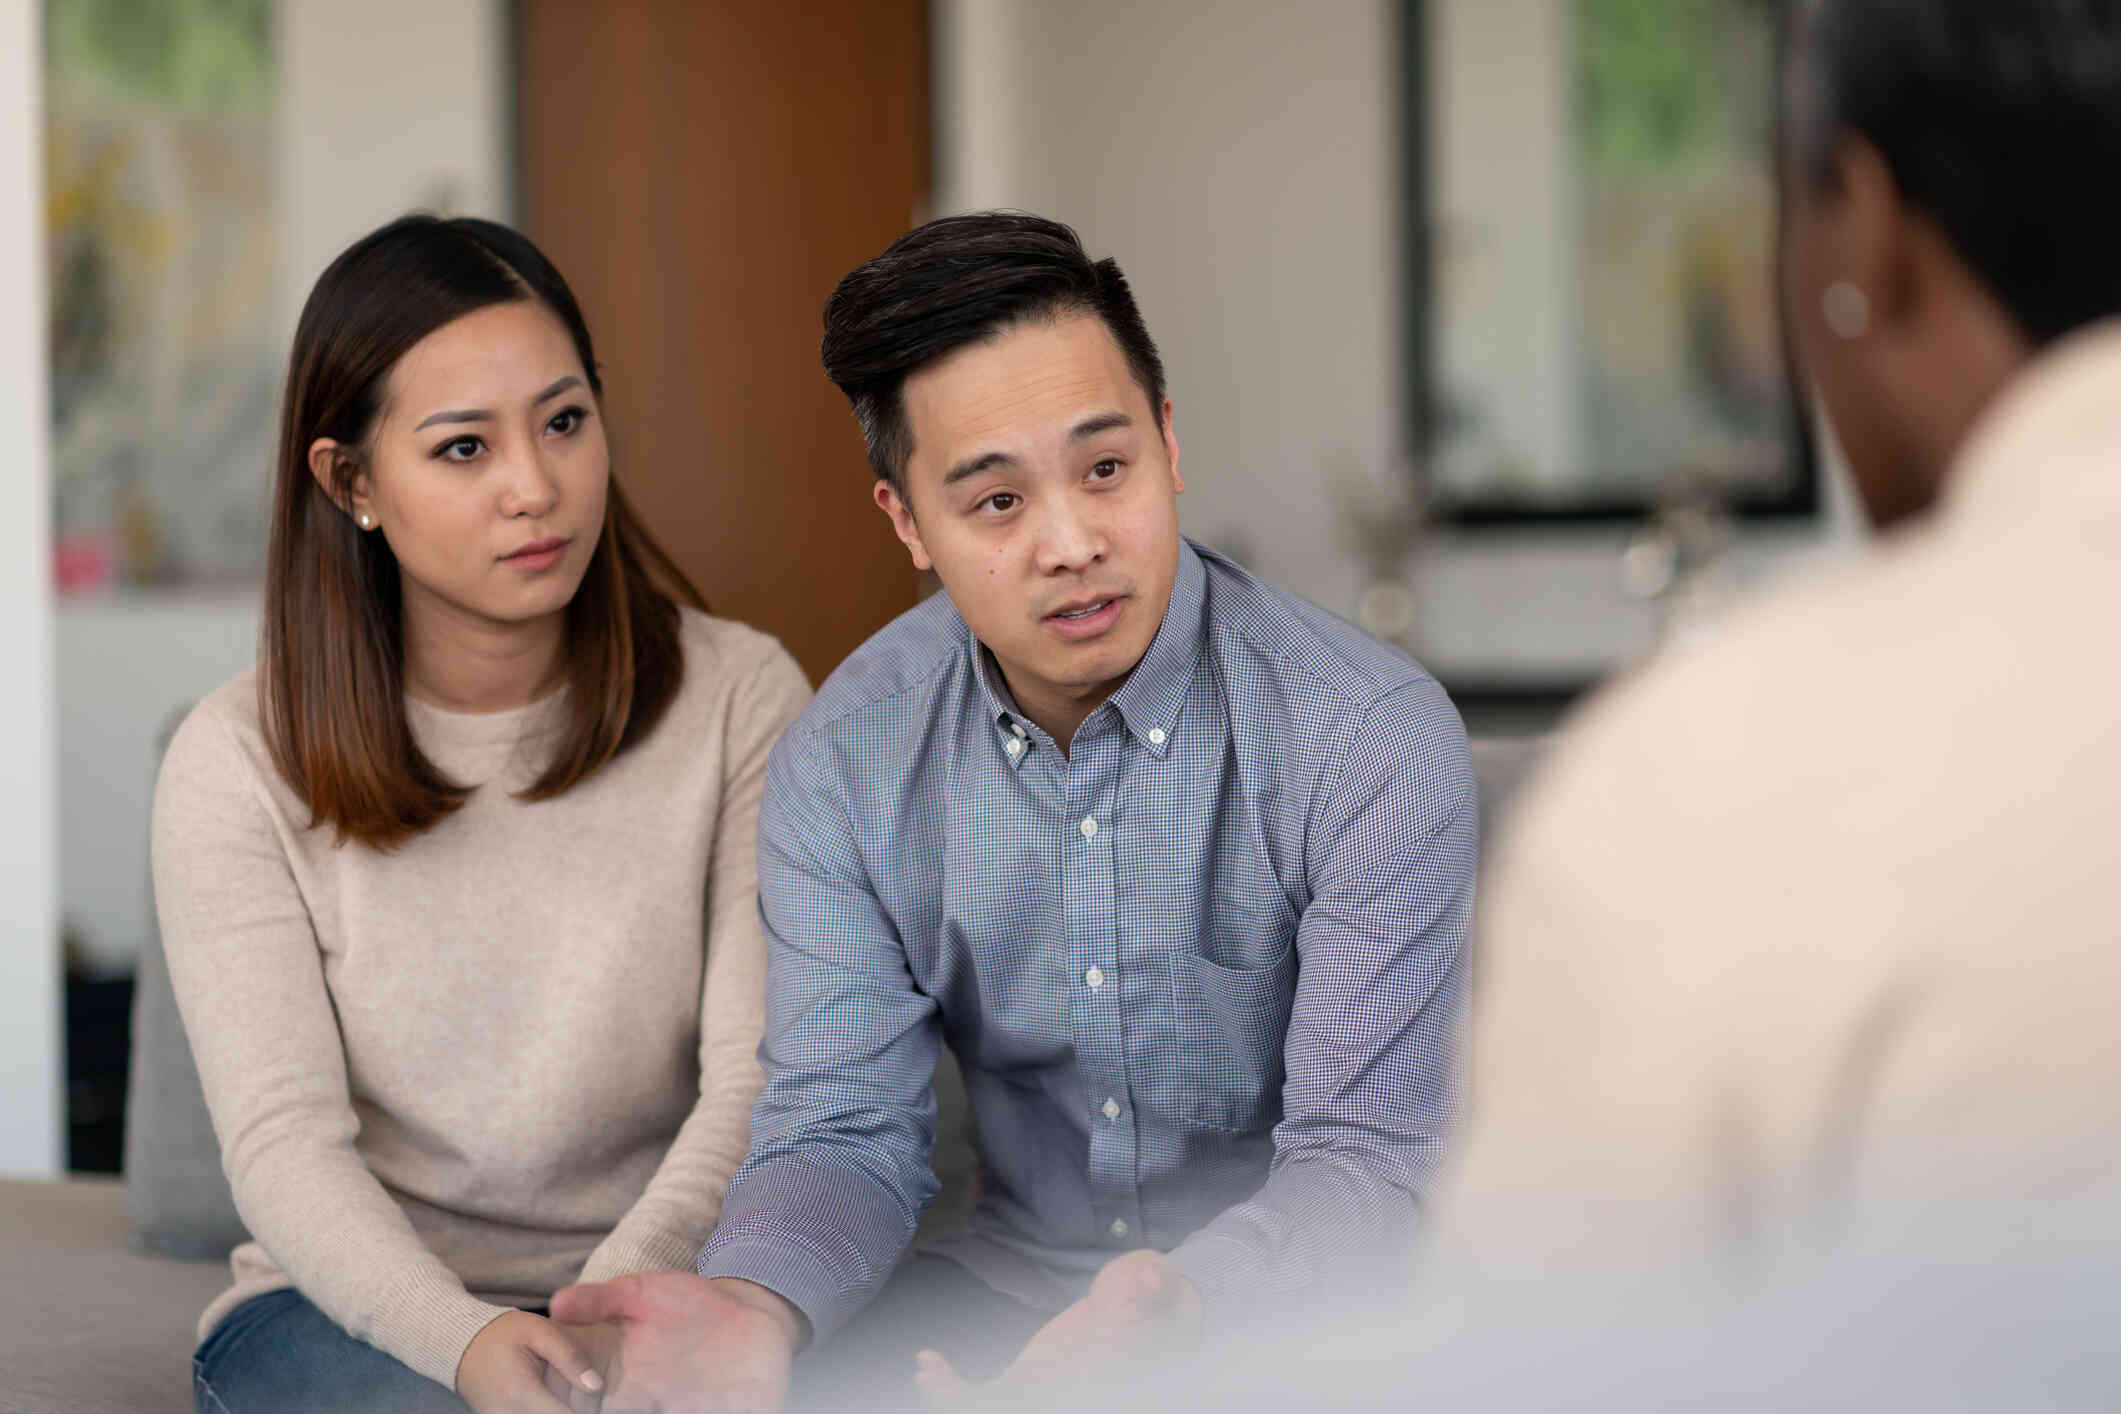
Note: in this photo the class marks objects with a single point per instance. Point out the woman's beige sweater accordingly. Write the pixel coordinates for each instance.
(518, 1051)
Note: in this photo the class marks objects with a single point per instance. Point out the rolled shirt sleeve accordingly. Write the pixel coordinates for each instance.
(843, 1134)
(1374, 1082)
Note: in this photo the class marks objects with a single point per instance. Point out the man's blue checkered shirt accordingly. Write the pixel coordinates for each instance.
(1205, 973)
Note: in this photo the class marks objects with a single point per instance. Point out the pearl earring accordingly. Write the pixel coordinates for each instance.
(368, 522)
(1847, 310)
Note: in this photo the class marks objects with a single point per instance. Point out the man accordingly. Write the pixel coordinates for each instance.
(1178, 865)
(1800, 974)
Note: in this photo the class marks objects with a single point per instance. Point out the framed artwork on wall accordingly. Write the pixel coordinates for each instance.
(161, 238)
(1593, 314)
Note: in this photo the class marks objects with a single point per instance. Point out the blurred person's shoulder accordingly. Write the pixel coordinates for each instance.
(1797, 695)
(1686, 884)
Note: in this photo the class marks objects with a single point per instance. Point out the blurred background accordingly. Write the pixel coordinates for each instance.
(1467, 306)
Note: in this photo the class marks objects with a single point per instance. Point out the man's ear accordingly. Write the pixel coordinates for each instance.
(893, 505)
(1178, 480)
(328, 463)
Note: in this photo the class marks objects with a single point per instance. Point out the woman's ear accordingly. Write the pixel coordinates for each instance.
(334, 466)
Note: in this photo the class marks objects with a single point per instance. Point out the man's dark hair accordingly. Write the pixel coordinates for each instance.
(958, 281)
(2000, 119)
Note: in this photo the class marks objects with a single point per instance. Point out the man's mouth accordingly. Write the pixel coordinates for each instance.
(1087, 619)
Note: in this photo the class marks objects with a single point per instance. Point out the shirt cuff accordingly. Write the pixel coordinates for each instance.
(1333, 1229)
(824, 1239)
(1229, 1273)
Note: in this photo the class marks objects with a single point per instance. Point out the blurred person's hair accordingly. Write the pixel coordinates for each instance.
(331, 675)
(958, 281)
(1999, 119)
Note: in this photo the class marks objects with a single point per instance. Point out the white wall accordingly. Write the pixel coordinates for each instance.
(29, 934)
(383, 107)
(1237, 159)
(1241, 160)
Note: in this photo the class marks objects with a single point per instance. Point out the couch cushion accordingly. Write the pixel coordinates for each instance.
(175, 1190)
(85, 1324)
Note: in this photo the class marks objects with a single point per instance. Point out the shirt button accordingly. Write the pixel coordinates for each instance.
(1015, 745)
(1088, 827)
(1156, 736)
(1119, 1227)
(1094, 978)
(1111, 1109)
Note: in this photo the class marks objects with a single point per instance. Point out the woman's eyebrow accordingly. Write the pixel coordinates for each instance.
(552, 391)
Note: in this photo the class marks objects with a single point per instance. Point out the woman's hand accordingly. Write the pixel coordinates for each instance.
(505, 1368)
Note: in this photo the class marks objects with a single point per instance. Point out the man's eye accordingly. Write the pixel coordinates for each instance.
(1002, 501)
(1104, 470)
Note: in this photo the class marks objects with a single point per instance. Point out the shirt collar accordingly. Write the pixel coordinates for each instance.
(1148, 702)
(1016, 733)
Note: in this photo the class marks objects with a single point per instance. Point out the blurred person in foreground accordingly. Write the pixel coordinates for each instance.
(457, 885)
(1178, 865)
(1801, 968)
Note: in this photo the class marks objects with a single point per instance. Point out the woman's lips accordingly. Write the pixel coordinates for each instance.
(1099, 617)
(536, 556)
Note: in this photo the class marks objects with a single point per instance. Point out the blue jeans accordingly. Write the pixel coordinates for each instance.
(278, 1352)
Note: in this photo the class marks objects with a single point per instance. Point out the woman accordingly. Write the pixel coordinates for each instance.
(457, 885)
(1797, 1041)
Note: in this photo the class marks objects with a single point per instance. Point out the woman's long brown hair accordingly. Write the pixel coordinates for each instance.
(331, 676)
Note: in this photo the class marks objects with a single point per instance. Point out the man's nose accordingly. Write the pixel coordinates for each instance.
(1071, 537)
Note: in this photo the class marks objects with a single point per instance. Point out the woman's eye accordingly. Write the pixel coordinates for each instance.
(459, 449)
(565, 421)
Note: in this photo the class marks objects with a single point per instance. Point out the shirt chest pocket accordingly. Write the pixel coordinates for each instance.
(1230, 1024)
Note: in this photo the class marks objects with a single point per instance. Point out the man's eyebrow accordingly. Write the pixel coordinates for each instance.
(553, 390)
(1082, 432)
(1104, 422)
(973, 466)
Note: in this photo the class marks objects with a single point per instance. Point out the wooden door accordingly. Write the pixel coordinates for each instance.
(703, 172)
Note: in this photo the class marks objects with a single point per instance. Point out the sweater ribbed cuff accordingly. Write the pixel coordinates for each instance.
(430, 1328)
(644, 1249)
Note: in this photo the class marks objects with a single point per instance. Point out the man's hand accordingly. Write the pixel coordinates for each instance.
(520, 1363)
(687, 1345)
(1142, 1312)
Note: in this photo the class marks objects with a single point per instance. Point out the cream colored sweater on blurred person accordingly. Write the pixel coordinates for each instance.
(518, 1051)
(1809, 931)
